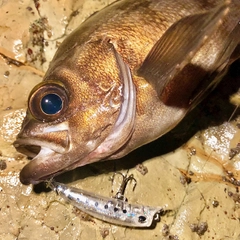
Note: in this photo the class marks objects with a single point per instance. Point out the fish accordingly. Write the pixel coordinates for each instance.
(125, 77)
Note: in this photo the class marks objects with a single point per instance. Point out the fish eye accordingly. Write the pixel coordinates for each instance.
(51, 104)
(48, 101)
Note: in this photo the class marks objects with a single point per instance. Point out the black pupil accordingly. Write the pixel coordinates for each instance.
(51, 104)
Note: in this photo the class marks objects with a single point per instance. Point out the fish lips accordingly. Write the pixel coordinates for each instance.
(48, 160)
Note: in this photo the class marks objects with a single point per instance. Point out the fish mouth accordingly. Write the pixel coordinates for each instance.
(45, 160)
(29, 150)
(32, 147)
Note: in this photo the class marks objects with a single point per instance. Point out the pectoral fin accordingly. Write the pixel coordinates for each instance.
(228, 52)
(236, 54)
(177, 47)
(230, 49)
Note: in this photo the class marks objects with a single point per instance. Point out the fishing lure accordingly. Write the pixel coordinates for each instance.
(112, 210)
(125, 179)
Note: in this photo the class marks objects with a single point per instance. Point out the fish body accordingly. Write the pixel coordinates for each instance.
(123, 78)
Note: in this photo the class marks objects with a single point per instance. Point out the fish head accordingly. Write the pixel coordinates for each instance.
(74, 116)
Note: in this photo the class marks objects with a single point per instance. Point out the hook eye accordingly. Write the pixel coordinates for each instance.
(48, 101)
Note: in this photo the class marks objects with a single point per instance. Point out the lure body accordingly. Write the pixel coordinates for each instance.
(111, 210)
(123, 78)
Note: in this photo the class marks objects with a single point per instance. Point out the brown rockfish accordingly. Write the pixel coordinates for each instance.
(123, 78)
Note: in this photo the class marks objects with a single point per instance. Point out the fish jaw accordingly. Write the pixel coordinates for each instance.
(45, 148)
(41, 167)
(51, 149)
